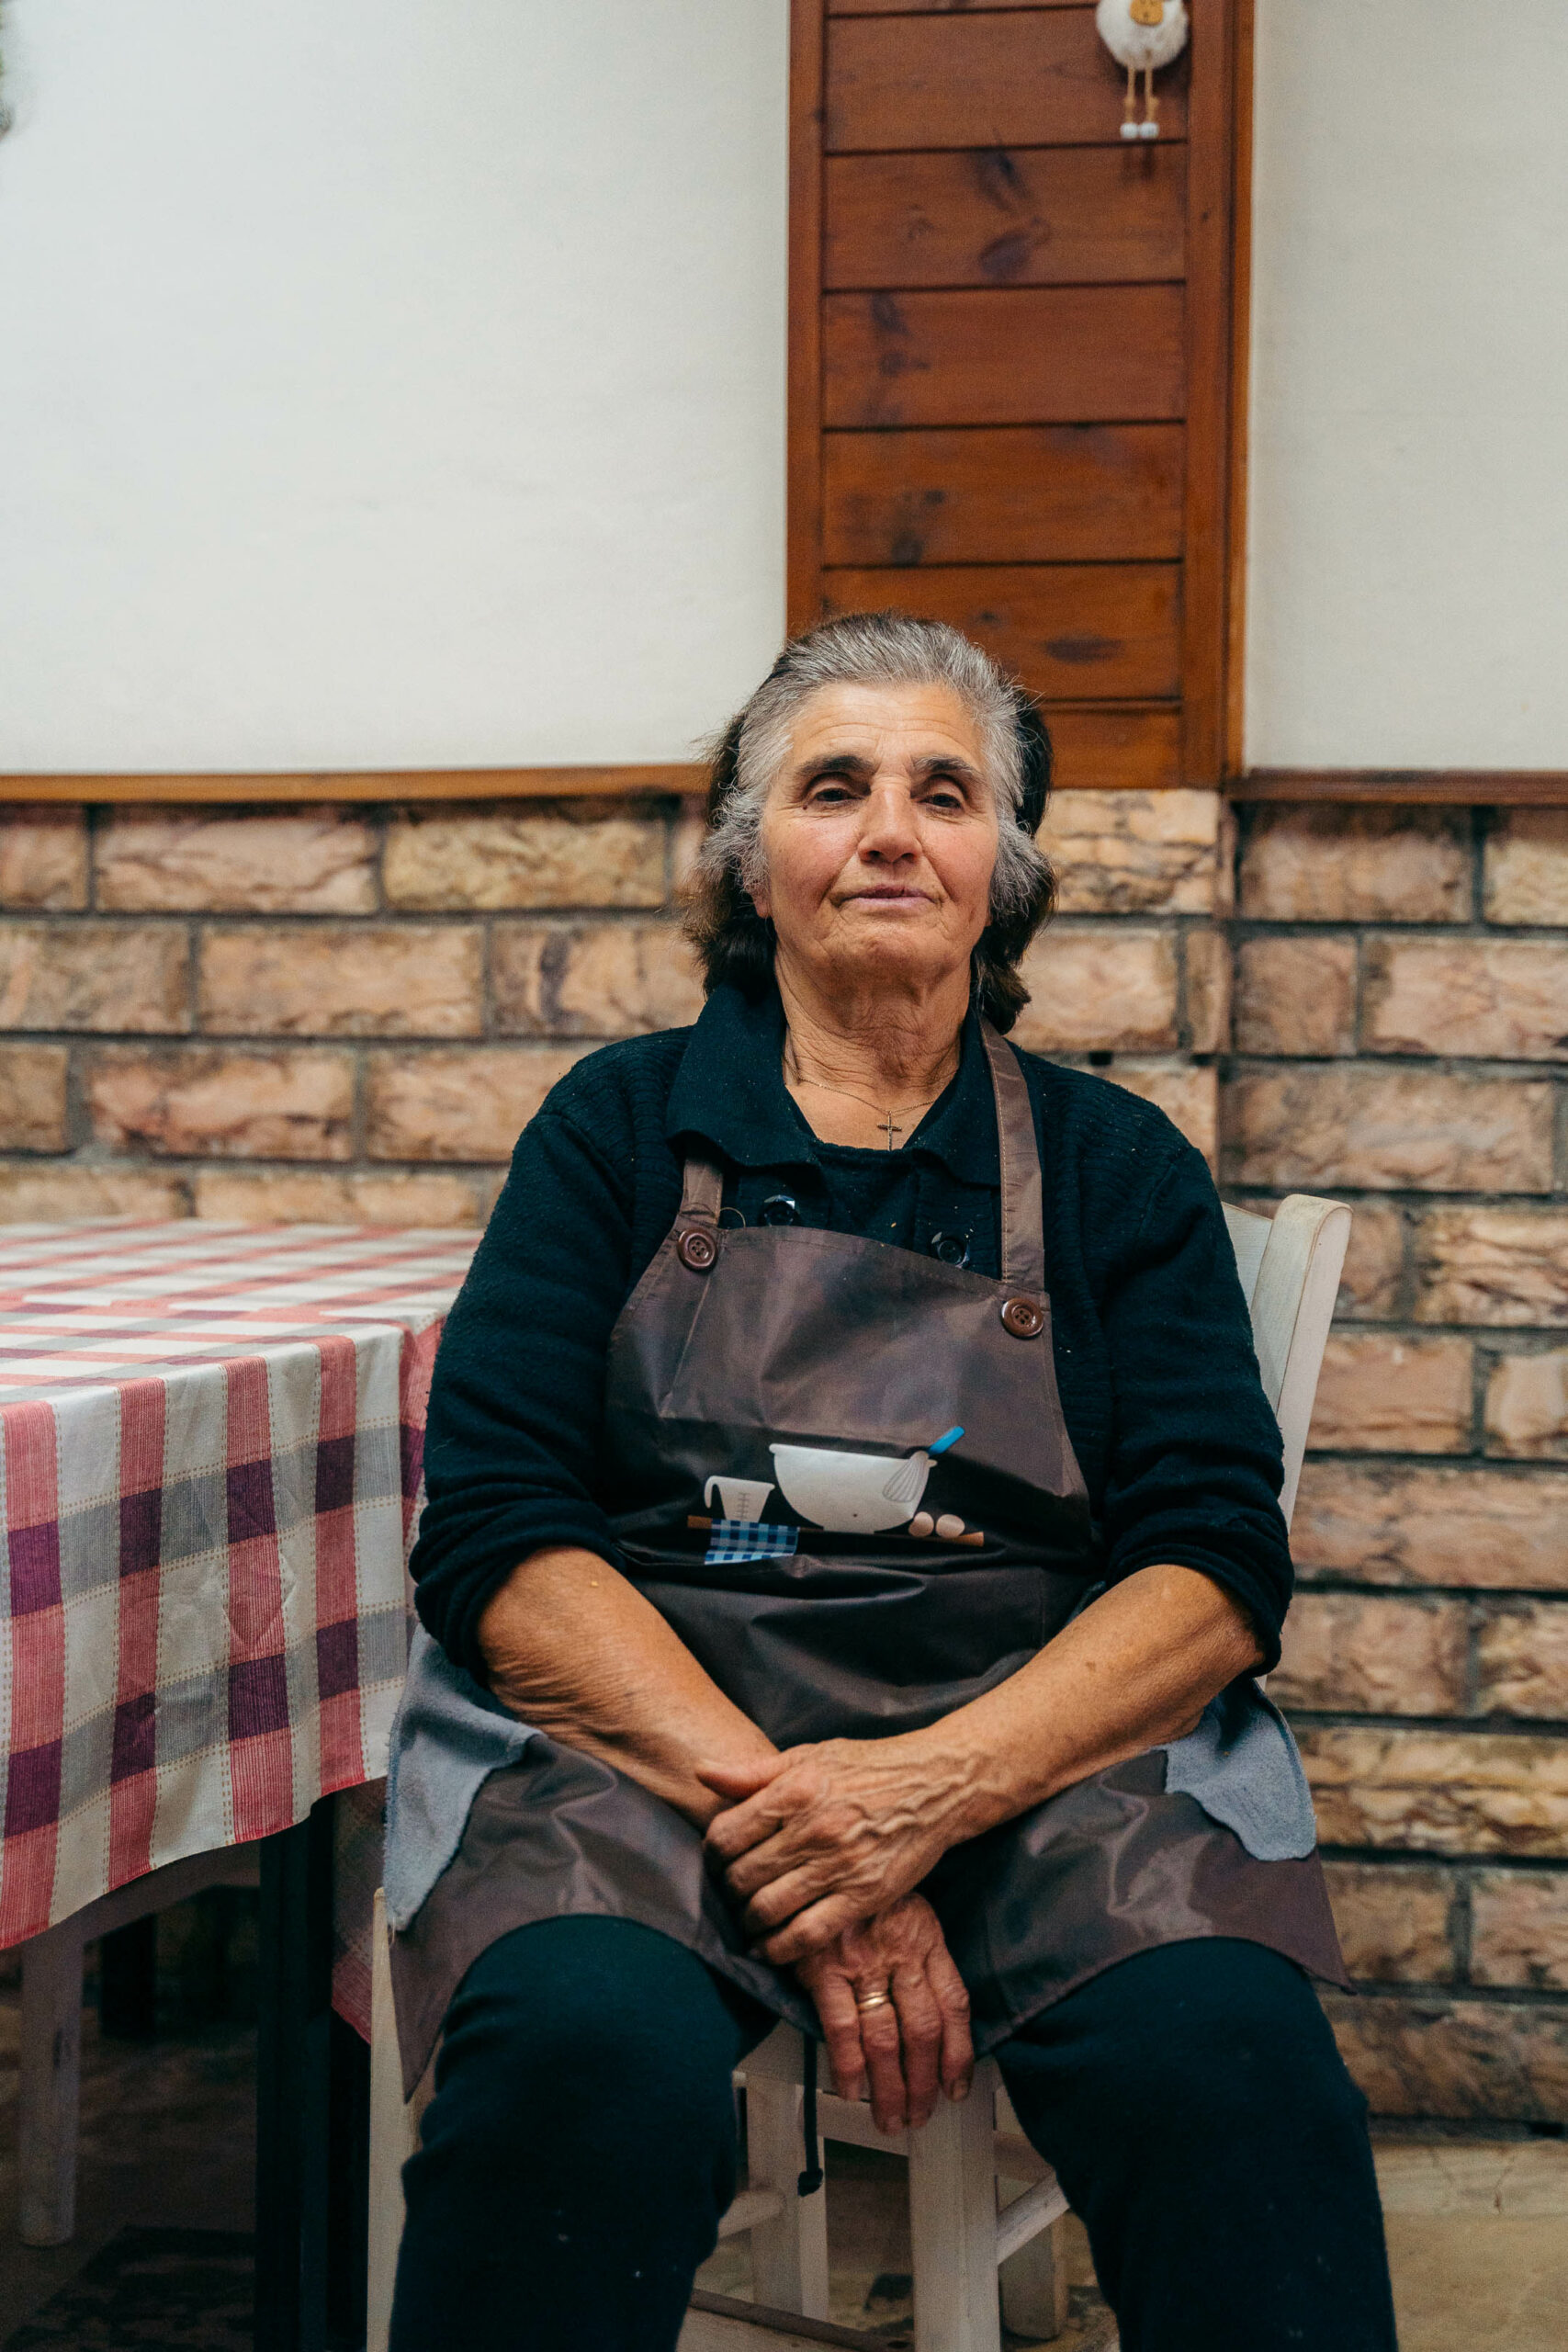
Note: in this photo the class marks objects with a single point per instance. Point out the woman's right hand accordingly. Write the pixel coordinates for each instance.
(917, 2043)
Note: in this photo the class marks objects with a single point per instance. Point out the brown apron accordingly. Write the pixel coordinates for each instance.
(804, 1376)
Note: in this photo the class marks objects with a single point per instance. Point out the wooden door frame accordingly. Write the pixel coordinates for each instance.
(1219, 247)
(803, 429)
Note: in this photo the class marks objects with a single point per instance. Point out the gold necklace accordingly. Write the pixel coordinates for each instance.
(889, 1119)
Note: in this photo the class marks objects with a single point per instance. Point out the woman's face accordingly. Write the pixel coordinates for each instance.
(879, 837)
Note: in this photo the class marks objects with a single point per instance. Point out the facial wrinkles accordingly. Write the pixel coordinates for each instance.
(899, 843)
(877, 799)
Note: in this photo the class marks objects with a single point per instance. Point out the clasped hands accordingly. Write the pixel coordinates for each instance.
(822, 1847)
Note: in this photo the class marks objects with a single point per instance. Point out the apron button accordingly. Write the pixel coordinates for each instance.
(697, 1248)
(1024, 1317)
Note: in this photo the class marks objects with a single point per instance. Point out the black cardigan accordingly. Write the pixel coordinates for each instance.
(1158, 1380)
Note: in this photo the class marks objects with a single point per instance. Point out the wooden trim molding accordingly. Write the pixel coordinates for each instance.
(1099, 748)
(1216, 382)
(1407, 788)
(387, 783)
(1243, 78)
(803, 433)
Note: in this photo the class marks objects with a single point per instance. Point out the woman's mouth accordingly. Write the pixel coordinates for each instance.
(892, 898)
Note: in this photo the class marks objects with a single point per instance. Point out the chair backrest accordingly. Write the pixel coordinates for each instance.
(1290, 1265)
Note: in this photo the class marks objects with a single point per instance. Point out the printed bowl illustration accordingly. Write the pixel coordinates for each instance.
(849, 1493)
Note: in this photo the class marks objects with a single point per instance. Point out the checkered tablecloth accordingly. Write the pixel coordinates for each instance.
(211, 1442)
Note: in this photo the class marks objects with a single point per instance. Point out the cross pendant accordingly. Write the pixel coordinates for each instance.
(893, 1129)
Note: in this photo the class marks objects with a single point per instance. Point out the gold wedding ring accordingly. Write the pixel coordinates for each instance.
(873, 2000)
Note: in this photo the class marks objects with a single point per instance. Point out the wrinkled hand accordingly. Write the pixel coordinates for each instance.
(911, 2047)
(818, 1838)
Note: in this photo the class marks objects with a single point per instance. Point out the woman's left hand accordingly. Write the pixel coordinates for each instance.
(912, 2041)
(818, 1838)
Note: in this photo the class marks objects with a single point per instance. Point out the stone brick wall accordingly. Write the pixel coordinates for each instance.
(348, 1015)
(312, 1013)
(328, 1013)
(1401, 1029)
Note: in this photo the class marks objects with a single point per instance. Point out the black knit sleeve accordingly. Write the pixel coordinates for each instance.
(518, 1396)
(1195, 1461)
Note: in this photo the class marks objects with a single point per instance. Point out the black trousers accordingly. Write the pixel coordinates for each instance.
(581, 2147)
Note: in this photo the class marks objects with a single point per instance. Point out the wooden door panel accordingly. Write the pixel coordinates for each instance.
(995, 216)
(1035, 78)
(1069, 630)
(1017, 387)
(1041, 494)
(1015, 355)
(1116, 750)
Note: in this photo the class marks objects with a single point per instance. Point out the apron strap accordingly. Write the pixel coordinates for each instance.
(697, 1225)
(702, 1194)
(1022, 1219)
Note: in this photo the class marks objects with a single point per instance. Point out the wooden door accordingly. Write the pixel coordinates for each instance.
(1014, 340)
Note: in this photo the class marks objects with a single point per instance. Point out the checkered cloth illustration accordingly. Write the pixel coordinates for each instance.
(749, 1539)
(211, 1448)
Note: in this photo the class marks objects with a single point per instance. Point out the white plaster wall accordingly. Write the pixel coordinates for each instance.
(388, 383)
(1408, 578)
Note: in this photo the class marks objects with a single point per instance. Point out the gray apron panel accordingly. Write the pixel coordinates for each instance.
(1245, 1769)
(449, 1738)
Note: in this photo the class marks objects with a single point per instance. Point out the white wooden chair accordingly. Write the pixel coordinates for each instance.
(981, 2203)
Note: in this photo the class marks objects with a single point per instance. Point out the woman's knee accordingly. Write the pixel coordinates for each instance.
(1214, 2040)
(1204, 2124)
(580, 2042)
(1238, 2034)
(581, 2145)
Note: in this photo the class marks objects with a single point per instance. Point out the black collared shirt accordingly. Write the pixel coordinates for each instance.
(939, 1191)
(1153, 1350)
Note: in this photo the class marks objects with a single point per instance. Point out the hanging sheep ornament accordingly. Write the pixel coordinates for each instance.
(1142, 35)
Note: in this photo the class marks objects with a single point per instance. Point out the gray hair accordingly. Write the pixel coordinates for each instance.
(877, 650)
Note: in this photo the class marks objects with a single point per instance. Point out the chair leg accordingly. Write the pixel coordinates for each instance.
(50, 2085)
(789, 2256)
(394, 2136)
(952, 2224)
(1034, 2287)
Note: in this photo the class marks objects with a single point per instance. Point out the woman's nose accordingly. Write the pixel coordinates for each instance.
(888, 827)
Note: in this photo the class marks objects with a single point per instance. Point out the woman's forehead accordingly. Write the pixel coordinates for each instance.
(886, 721)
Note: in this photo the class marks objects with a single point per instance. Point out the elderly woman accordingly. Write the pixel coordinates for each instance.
(853, 1533)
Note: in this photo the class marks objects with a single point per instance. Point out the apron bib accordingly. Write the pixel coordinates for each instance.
(785, 1484)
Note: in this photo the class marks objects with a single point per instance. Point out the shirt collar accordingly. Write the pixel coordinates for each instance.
(729, 1092)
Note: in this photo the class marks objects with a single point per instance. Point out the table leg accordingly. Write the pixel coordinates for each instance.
(293, 2060)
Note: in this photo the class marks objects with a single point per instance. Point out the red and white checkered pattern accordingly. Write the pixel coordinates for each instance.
(211, 1440)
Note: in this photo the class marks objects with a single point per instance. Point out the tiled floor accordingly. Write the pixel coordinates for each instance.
(1478, 2243)
(167, 2140)
(1478, 2230)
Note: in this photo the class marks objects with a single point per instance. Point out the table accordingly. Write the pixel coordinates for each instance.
(211, 1445)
